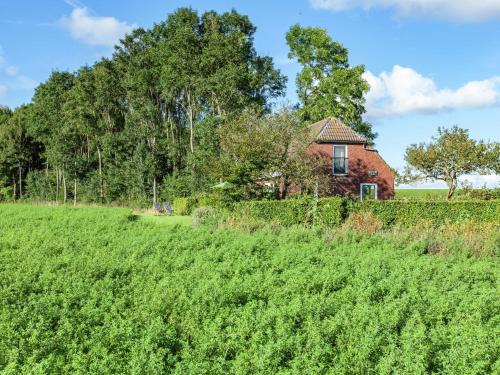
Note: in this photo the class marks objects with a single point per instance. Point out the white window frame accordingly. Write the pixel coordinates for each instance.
(368, 184)
(346, 157)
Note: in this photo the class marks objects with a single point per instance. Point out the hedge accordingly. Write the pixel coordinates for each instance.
(326, 211)
(184, 205)
(437, 212)
(333, 211)
(286, 212)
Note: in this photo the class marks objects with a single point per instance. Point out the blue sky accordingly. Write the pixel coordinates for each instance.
(430, 62)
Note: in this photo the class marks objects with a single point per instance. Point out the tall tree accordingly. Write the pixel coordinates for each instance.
(48, 122)
(180, 72)
(110, 110)
(259, 148)
(140, 65)
(122, 129)
(235, 76)
(19, 152)
(327, 85)
(449, 155)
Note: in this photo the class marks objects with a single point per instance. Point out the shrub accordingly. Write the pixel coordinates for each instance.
(286, 212)
(40, 186)
(331, 211)
(437, 212)
(364, 222)
(334, 211)
(184, 205)
(204, 216)
(485, 194)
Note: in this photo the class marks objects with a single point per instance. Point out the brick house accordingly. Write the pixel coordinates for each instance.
(354, 166)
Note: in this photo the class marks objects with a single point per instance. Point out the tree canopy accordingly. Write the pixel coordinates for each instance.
(327, 85)
(124, 128)
(451, 154)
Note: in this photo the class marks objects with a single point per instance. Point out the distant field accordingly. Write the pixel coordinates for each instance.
(103, 291)
(421, 193)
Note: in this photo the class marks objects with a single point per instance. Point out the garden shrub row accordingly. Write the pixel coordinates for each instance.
(485, 194)
(333, 211)
(305, 210)
(186, 205)
(437, 212)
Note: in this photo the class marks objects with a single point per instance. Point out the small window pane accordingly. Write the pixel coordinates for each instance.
(368, 191)
(339, 151)
(339, 165)
(339, 160)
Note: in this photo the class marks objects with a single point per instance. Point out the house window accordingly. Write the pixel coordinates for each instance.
(339, 159)
(368, 191)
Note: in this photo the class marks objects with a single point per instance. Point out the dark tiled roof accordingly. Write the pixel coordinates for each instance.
(332, 130)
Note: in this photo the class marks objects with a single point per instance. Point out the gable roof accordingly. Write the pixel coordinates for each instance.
(331, 129)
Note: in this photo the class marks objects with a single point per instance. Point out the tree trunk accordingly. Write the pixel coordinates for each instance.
(65, 191)
(191, 120)
(451, 189)
(285, 184)
(316, 189)
(154, 190)
(191, 135)
(101, 192)
(74, 191)
(74, 185)
(57, 184)
(20, 183)
(14, 189)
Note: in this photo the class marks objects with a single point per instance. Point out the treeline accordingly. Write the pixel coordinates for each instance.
(178, 108)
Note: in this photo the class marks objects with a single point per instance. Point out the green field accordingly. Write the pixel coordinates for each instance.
(102, 291)
(421, 193)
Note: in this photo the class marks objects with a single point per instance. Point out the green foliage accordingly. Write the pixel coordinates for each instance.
(258, 147)
(327, 86)
(334, 211)
(143, 125)
(204, 215)
(330, 211)
(40, 185)
(215, 199)
(288, 212)
(437, 212)
(285, 212)
(451, 153)
(184, 205)
(100, 291)
(485, 194)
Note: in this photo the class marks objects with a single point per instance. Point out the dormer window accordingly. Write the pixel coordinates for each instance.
(340, 159)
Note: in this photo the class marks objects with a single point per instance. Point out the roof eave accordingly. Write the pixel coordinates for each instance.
(341, 142)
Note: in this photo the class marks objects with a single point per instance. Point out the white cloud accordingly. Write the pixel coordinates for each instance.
(105, 31)
(11, 70)
(461, 10)
(403, 90)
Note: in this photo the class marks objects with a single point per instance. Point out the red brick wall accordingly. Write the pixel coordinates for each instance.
(360, 162)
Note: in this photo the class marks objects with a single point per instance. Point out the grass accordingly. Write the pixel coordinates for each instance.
(164, 219)
(421, 193)
(89, 290)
